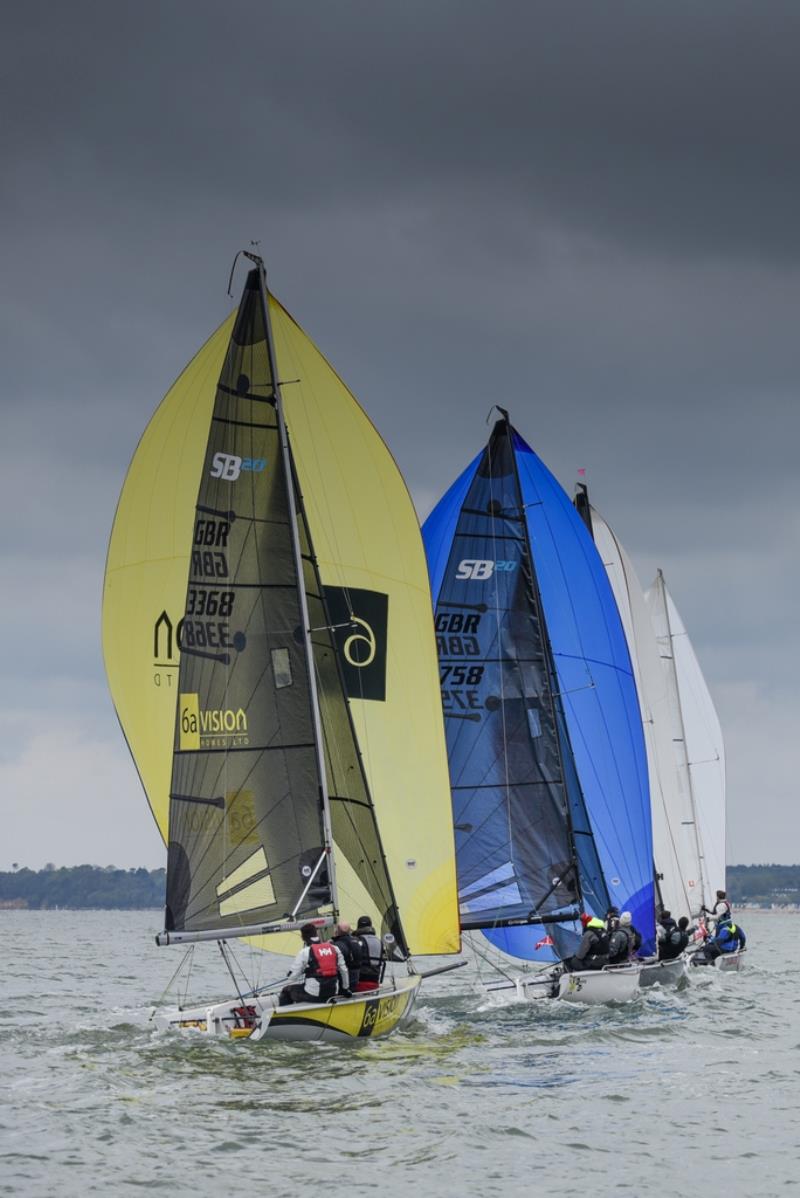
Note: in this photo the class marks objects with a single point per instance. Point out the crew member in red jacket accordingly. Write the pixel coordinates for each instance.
(318, 971)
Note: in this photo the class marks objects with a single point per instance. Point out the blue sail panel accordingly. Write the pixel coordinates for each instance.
(439, 528)
(597, 687)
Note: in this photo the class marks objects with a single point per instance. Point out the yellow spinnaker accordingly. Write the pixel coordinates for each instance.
(368, 545)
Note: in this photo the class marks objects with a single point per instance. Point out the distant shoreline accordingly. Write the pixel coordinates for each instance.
(13, 906)
(107, 888)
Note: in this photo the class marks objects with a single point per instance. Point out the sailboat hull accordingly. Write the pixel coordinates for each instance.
(593, 987)
(663, 973)
(729, 962)
(371, 1015)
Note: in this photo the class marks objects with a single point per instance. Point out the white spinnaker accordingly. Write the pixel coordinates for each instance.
(675, 846)
(699, 750)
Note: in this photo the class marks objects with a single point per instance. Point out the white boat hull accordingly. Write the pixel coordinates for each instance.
(663, 973)
(372, 1014)
(729, 961)
(616, 983)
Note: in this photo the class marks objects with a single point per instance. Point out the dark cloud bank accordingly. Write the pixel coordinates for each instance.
(585, 212)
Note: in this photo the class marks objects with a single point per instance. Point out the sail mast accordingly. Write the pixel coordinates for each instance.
(298, 559)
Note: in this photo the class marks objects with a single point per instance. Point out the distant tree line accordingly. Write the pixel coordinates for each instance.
(764, 883)
(82, 886)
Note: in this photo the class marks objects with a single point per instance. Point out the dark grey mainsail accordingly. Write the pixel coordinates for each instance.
(267, 782)
(245, 809)
(505, 738)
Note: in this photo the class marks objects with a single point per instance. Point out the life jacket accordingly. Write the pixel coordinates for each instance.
(351, 949)
(728, 938)
(620, 946)
(372, 956)
(673, 944)
(322, 961)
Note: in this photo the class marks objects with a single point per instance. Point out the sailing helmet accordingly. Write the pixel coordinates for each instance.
(625, 918)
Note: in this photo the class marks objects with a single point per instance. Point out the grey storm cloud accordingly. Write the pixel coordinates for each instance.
(586, 212)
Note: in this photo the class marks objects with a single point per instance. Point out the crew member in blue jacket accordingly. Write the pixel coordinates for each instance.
(729, 938)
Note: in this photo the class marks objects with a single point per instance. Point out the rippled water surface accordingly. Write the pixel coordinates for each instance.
(680, 1093)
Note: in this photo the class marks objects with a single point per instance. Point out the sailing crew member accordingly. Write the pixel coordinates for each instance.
(592, 951)
(318, 971)
(373, 957)
(624, 941)
(729, 938)
(721, 909)
(675, 939)
(612, 920)
(352, 951)
(664, 928)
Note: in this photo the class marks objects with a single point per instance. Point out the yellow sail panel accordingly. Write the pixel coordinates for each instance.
(147, 569)
(258, 894)
(367, 542)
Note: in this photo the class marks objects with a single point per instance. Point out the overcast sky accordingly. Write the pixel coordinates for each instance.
(585, 212)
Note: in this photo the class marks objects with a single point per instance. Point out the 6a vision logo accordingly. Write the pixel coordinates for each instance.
(218, 728)
(228, 466)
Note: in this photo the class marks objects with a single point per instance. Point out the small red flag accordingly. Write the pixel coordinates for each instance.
(544, 941)
(581, 470)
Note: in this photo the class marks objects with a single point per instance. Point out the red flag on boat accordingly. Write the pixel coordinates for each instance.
(545, 940)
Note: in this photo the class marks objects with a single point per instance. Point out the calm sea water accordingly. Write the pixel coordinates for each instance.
(687, 1093)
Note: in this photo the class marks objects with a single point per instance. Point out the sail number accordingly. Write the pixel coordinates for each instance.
(209, 564)
(205, 634)
(210, 561)
(456, 634)
(461, 675)
(209, 603)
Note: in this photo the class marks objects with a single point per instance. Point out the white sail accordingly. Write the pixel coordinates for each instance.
(675, 842)
(699, 750)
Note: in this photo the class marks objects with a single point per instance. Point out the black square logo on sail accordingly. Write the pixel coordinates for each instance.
(361, 641)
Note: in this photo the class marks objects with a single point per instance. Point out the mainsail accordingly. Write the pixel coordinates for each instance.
(532, 526)
(364, 585)
(696, 733)
(505, 732)
(675, 834)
